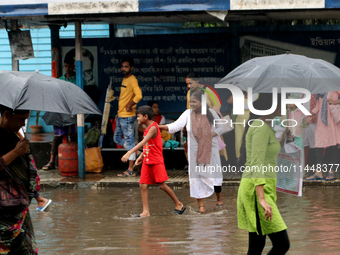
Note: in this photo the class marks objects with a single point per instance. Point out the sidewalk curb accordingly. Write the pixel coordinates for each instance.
(53, 184)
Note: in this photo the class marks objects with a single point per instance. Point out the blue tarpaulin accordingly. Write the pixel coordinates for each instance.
(183, 5)
(23, 10)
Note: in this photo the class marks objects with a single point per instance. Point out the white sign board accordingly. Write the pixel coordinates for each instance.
(275, 4)
(87, 6)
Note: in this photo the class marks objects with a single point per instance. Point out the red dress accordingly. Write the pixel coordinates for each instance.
(153, 168)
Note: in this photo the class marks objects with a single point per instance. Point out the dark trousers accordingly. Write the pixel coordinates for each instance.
(331, 156)
(218, 189)
(257, 242)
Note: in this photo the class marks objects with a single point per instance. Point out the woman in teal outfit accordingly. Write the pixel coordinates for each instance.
(256, 201)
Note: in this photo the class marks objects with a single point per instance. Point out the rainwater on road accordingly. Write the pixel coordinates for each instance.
(86, 221)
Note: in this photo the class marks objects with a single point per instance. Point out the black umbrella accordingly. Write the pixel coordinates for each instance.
(59, 119)
(34, 91)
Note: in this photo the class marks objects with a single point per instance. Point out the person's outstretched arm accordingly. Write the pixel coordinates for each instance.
(163, 127)
(152, 133)
(178, 125)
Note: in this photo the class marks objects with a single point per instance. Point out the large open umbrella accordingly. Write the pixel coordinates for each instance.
(34, 91)
(287, 70)
(59, 119)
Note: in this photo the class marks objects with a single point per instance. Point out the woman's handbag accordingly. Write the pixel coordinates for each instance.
(335, 111)
(93, 160)
(226, 126)
(13, 196)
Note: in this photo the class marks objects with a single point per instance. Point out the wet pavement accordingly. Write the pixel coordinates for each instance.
(100, 221)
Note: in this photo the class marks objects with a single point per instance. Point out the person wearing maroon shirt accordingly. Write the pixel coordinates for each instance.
(153, 168)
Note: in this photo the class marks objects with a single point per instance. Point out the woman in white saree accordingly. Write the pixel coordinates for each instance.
(205, 170)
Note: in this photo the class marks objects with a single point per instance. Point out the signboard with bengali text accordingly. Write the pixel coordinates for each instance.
(161, 65)
(275, 4)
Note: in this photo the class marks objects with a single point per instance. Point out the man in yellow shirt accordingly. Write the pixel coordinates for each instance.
(130, 95)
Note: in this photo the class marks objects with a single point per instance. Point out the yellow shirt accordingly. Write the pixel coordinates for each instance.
(129, 90)
(188, 99)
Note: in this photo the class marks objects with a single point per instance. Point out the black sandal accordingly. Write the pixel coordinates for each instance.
(49, 166)
(130, 173)
(180, 212)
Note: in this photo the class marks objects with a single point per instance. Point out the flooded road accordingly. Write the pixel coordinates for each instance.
(86, 221)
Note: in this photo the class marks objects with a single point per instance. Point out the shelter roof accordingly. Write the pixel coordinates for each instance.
(40, 12)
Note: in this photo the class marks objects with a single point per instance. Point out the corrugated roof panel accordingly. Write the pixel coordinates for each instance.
(37, 41)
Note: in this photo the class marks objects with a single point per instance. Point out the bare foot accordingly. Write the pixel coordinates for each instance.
(41, 201)
(179, 206)
(143, 215)
(201, 209)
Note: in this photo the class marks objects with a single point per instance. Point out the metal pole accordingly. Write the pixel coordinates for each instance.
(15, 63)
(80, 117)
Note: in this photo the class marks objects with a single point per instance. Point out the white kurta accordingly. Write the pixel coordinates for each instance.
(202, 180)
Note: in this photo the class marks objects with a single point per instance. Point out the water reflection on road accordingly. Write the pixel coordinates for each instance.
(89, 221)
